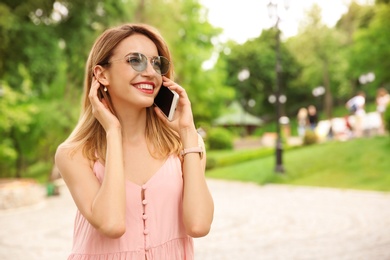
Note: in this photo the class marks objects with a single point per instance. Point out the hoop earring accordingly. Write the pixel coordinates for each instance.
(105, 89)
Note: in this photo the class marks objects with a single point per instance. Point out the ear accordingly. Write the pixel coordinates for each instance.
(100, 74)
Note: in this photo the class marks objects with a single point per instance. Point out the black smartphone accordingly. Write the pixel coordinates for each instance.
(166, 100)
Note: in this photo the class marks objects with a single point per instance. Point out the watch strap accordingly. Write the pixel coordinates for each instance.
(192, 150)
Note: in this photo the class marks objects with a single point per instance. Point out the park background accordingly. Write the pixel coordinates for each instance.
(44, 46)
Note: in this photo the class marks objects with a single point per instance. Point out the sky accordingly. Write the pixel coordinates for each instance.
(245, 19)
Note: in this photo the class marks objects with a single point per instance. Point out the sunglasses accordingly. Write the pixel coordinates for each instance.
(139, 62)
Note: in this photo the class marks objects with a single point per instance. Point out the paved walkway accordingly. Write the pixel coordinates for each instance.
(251, 222)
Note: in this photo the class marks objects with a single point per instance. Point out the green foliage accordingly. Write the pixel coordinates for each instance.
(42, 62)
(210, 163)
(219, 138)
(321, 66)
(331, 164)
(15, 121)
(221, 159)
(369, 49)
(386, 118)
(258, 57)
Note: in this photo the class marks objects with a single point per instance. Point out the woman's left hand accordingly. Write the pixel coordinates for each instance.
(183, 119)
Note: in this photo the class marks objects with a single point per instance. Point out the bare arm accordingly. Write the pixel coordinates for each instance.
(102, 204)
(198, 205)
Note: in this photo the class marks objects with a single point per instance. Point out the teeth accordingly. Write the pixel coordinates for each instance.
(145, 86)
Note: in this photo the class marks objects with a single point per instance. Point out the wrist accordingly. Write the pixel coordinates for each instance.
(189, 137)
(114, 131)
(196, 149)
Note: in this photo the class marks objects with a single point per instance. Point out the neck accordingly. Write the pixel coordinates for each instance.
(133, 125)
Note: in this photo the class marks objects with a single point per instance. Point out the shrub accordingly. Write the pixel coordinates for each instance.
(310, 137)
(386, 118)
(211, 163)
(219, 138)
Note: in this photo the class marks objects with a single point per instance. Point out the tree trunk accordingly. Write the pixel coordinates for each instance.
(328, 98)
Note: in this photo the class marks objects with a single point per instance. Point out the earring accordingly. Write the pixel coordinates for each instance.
(105, 89)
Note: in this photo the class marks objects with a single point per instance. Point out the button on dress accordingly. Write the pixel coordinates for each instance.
(154, 222)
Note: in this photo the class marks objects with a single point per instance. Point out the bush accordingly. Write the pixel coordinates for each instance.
(386, 118)
(310, 138)
(219, 139)
(211, 163)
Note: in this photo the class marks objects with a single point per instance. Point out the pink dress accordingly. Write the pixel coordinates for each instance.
(154, 226)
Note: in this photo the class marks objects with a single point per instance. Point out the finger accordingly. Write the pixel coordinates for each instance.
(93, 92)
(105, 103)
(161, 115)
(93, 88)
(176, 87)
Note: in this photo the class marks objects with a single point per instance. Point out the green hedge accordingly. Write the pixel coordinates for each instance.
(215, 160)
(219, 138)
(387, 118)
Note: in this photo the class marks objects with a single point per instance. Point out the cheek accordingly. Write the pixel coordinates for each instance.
(121, 76)
(159, 81)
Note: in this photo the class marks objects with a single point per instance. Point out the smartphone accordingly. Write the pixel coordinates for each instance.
(166, 100)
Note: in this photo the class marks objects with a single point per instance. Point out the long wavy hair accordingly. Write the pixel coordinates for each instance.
(89, 134)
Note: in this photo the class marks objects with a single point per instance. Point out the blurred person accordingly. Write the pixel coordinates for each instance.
(356, 107)
(313, 117)
(382, 101)
(302, 121)
(138, 180)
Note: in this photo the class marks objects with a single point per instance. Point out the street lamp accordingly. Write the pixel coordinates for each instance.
(273, 14)
(1, 90)
(242, 76)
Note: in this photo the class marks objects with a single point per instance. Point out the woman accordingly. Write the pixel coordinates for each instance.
(382, 101)
(137, 179)
(302, 121)
(356, 106)
(313, 117)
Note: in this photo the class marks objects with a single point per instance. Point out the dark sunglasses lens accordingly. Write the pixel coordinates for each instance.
(160, 65)
(164, 65)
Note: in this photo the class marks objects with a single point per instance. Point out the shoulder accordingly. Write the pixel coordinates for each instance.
(65, 151)
(68, 156)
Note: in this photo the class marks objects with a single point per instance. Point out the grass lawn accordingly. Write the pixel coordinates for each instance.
(354, 164)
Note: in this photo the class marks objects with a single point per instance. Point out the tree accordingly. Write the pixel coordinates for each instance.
(370, 49)
(41, 56)
(257, 56)
(17, 115)
(319, 49)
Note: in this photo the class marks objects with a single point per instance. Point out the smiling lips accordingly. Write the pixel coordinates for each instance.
(146, 88)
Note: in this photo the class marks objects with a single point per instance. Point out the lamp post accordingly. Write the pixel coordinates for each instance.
(242, 76)
(273, 14)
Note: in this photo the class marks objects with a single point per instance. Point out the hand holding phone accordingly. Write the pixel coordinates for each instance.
(166, 100)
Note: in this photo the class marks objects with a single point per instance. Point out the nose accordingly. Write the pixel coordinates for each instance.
(149, 70)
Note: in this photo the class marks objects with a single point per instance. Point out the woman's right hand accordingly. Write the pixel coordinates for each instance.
(100, 108)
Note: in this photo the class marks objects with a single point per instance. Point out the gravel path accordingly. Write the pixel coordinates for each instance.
(250, 222)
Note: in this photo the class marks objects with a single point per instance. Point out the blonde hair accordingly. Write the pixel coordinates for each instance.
(89, 133)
